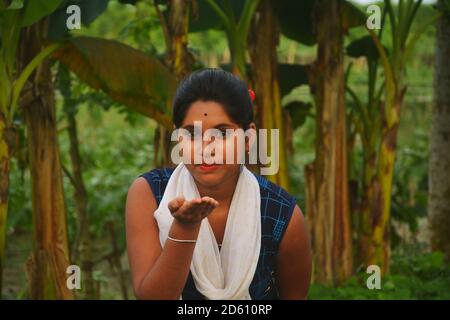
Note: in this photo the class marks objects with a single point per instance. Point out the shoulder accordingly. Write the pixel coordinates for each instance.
(277, 208)
(294, 259)
(158, 174)
(157, 180)
(271, 192)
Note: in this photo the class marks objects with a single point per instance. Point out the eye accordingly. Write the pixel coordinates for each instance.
(225, 132)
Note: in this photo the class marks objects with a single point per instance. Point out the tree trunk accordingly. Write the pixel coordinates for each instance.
(7, 137)
(115, 261)
(7, 132)
(439, 166)
(264, 38)
(374, 238)
(84, 247)
(81, 252)
(179, 60)
(178, 56)
(370, 189)
(330, 224)
(47, 265)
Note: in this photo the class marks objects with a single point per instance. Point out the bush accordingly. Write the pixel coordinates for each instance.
(414, 274)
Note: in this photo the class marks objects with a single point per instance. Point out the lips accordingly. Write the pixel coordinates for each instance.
(208, 167)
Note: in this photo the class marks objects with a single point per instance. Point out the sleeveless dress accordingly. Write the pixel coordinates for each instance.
(277, 207)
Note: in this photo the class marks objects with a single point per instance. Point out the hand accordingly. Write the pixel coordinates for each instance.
(191, 212)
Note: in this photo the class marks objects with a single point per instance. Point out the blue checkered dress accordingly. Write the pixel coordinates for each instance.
(276, 210)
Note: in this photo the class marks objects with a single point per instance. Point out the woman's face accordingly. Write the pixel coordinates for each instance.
(211, 115)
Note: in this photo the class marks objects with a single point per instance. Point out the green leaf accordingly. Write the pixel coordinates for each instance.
(203, 17)
(298, 111)
(445, 7)
(291, 76)
(363, 47)
(351, 16)
(412, 40)
(15, 4)
(296, 20)
(90, 10)
(246, 17)
(36, 10)
(25, 74)
(127, 75)
(133, 2)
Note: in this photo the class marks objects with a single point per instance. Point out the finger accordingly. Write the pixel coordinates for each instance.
(187, 206)
(200, 210)
(191, 206)
(210, 207)
(207, 199)
(175, 204)
(211, 201)
(210, 204)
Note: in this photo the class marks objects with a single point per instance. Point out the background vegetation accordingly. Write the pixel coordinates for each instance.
(116, 143)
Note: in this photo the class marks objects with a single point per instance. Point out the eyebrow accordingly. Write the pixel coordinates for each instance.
(220, 125)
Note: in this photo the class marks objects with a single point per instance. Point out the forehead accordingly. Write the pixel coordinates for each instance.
(210, 113)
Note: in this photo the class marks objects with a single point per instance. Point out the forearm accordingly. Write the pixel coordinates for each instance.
(168, 275)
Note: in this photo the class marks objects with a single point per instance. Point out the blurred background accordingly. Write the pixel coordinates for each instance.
(360, 93)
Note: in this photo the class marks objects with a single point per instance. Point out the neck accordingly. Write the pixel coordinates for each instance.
(222, 192)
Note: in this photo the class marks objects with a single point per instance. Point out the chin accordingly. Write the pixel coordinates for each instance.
(210, 177)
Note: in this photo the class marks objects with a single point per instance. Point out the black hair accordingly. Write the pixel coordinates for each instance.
(216, 85)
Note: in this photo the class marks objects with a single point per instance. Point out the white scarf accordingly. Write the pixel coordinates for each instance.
(224, 274)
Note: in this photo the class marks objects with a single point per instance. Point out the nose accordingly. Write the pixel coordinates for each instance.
(211, 152)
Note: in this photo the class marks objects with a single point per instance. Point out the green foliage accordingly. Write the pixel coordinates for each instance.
(14, 5)
(116, 144)
(142, 84)
(414, 275)
(203, 17)
(19, 216)
(143, 30)
(297, 19)
(113, 156)
(291, 76)
(35, 10)
(363, 47)
(89, 9)
(298, 111)
(410, 185)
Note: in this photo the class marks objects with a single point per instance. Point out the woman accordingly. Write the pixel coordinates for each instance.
(215, 231)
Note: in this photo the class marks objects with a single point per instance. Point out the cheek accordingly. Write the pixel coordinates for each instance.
(231, 148)
(189, 150)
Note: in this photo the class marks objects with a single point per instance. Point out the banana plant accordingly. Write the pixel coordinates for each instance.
(14, 16)
(326, 23)
(122, 85)
(130, 77)
(439, 163)
(376, 214)
(236, 29)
